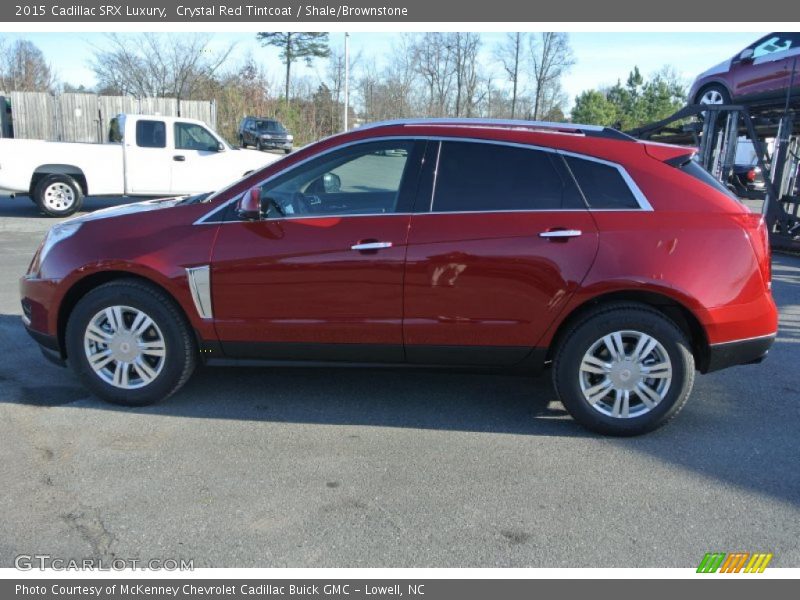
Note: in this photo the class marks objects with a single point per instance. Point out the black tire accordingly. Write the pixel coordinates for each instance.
(584, 333)
(242, 142)
(259, 147)
(714, 88)
(72, 195)
(287, 150)
(180, 350)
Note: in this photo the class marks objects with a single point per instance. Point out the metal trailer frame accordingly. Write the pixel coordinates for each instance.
(716, 131)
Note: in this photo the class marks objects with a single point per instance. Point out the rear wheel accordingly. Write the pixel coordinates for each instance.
(58, 195)
(242, 143)
(624, 369)
(129, 343)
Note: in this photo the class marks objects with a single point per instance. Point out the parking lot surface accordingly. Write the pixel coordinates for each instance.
(332, 468)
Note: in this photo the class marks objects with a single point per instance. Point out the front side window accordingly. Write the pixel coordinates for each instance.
(774, 43)
(362, 179)
(189, 136)
(151, 134)
(484, 177)
(603, 185)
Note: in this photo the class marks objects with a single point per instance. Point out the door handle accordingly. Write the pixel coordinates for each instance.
(362, 246)
(179, 157)
(561, 233)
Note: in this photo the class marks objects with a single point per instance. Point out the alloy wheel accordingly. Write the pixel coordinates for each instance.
(124, 347)
(625, 374)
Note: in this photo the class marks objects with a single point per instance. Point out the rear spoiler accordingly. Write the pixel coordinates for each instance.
(668, 153)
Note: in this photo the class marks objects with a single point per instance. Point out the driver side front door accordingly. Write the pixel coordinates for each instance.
(320, 276)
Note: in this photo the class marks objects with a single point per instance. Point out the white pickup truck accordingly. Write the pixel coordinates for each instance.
(147, 156)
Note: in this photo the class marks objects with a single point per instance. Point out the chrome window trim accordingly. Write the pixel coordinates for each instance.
(644, 204)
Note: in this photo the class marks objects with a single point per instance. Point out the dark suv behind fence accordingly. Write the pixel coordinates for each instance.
(265, 134)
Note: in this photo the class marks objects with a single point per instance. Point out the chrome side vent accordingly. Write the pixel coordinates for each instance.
(200, 286)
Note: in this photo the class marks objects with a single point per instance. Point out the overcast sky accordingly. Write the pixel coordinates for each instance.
(601, 58)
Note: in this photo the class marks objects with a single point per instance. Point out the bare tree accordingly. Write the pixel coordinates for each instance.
(154, 65)
(23, 68)
(510, 55)
(464, 47)
(434, 64)
(550, 58)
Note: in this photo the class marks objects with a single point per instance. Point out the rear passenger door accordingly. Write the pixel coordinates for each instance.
(500, 239)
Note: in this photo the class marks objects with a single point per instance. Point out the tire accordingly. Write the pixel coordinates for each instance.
(173, 351)
(713, 94)
(58, 195)
(242, 142)
(259, 147)
(287, 150)
(576, 382)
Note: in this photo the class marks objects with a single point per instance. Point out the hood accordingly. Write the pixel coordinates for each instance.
(136, 207)
(722, 67)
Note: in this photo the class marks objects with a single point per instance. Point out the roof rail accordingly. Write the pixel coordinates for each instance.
(588, 130)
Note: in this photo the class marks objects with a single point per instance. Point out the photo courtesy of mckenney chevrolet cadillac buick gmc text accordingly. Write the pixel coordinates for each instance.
(466, 244)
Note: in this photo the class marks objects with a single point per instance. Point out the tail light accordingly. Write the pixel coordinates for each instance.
(756, 229)
(751, 175)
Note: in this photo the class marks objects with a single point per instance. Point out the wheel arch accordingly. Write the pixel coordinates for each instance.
(88, 283)
(670, 307)
(73, 171)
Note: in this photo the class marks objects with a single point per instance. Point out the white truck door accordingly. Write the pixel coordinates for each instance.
(148, 158)
(199, 164)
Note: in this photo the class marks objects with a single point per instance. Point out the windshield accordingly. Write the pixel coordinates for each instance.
(270, 126)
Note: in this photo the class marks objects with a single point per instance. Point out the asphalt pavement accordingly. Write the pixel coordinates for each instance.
(355, 468)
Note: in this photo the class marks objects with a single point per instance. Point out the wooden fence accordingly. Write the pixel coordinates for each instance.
(77, 117)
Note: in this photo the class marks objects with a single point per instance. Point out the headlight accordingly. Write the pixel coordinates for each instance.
(57, 233)
(290, 138)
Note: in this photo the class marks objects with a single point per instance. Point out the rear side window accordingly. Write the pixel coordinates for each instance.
(151, 134)
(693, 168)
(482, 177)
(602, 185)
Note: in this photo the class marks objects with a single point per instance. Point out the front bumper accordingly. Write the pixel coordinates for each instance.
(279, 144)
(48, 344)
(738, 352)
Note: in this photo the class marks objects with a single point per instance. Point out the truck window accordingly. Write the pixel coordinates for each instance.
(151, 134)
(189, 136)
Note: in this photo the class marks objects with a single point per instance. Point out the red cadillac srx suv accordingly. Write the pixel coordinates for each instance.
(472, 244)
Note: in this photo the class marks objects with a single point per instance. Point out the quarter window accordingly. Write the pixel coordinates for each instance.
(602, 185)
(484, 177)
(151, 134)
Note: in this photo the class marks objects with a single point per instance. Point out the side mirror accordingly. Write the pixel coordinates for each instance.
(332, 183)
(746, 54)
(249, 205)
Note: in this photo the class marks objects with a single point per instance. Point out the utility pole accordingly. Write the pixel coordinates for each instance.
(346, 79)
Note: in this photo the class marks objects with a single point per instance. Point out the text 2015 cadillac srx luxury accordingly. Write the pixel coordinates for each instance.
(478, 244)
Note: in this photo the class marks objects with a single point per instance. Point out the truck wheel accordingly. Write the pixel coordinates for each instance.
(58, 195)
(624, 369)
(129, 343)
(242, 143)
(287, 150)
(259, 147)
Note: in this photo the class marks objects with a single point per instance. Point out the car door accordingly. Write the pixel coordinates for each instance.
(769, 69)
(148, 160)
(494, 253)
(198, 162)
(320, 276)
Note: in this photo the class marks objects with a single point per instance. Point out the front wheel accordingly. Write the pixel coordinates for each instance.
(713, 94)
(624, 370)
(129, 343)
(58, 195)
